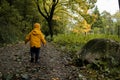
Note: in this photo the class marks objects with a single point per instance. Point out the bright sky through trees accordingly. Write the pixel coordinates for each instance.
(110, 6)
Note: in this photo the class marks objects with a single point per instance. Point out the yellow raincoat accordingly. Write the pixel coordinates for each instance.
(35, 37)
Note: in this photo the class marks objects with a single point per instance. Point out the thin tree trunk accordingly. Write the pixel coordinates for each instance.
(118, 31)
(50, 28)
(119, 4)
(119, 25)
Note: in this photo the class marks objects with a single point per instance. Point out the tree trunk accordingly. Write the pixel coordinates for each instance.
(118, 31)
(50, 28)
(119, 25)
(119, 4)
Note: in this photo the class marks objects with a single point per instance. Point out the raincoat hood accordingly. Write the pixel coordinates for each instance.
(36, 29)
(37, 25)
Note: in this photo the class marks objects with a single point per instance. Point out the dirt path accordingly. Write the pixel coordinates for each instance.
(14, 64)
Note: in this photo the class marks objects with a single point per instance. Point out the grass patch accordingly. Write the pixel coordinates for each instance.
(73, 42)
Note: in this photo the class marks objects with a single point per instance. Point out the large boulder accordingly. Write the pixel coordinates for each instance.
(106, 50)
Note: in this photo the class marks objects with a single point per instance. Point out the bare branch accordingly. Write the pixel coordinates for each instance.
(45, 8)
(53, 8)
(37, 3)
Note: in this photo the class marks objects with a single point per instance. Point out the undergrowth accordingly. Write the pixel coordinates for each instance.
(72, 43)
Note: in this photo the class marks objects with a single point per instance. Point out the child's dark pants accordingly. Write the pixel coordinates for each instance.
(34, 54)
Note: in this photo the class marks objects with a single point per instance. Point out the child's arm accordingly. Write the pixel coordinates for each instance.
(27, 38)
(42, 39)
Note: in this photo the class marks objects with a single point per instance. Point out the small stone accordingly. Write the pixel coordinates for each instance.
(25, 76)
(1, 75)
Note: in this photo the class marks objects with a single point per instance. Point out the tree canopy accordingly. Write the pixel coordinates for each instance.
(55, 16)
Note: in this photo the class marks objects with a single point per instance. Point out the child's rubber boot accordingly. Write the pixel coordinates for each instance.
(32, 60)
(36, 60)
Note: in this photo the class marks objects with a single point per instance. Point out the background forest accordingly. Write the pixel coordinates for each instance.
(56, 17)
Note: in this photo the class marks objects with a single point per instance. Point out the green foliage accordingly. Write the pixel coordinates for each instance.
(16, 19)
(103, 70)
(98, 22)
(9, 24)
(116, 18)
(9, 35)
(71, 43)
(79, 39)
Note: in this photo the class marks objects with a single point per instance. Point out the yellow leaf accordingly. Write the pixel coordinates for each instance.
(55, 79)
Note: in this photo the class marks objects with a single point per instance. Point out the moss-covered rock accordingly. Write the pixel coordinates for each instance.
(101, 51)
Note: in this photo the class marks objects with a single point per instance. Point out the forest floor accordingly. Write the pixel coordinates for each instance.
(15, 65)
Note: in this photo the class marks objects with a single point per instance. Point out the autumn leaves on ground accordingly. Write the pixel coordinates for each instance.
(15, 65)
